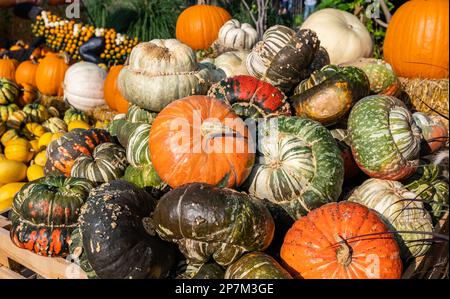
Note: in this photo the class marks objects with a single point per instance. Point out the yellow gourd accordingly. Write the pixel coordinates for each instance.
(35, 172)
(35, 145)
(57, 135)
(19, 150)
(78, 124)
(45, 140)
(7, 193)
(41, 158)
(12, 171)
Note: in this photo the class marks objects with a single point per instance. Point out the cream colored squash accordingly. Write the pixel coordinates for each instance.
(341, 34)
(161, 71)
(238, 36)
(83, 86)
(232, 63)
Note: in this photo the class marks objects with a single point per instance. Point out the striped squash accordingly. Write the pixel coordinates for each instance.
(256, 265)
(136, 114)
(143, 176)
(238, 36)
(299, 165)
(283, 56)
(55, 125)
(7, 110)
(73, 114)
(9, 91)
(108, 162)
(400, 210)
(385, 139)
(36, 112)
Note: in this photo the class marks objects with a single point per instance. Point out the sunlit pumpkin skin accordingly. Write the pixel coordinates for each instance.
(283, 56)
(216, 147)
(8, 68)
(299, 165)
(45, 212)
(26, 73)
(12, 171)
(9, 91)
(341, 241)
(404, 215)
(433, 131)
(50, 74)
(420, 29)
(232, 63)
(385, 139)
(116, 241)
(236, 35)
(208, 222)
(256, 265)
(107, 162)
(198, 26)
(250, 97)
(329, 93)
(381, 76)
(19, 150)
(113, 97)
(28, 95)
(62, 153)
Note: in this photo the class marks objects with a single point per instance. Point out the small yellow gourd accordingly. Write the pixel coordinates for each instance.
(7, 193)
(19, 150)
(35, 172)
(41, 158)
(12, 171)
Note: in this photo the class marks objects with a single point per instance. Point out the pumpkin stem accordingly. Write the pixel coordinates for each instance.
(344, 252)
(213, 129)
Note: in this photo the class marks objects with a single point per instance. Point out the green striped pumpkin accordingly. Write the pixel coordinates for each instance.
(299, 165)
(136, 114)
(73, 114)
(108, 162)
(256, 265)
(385, 139)
(143, 176)
(401, 212)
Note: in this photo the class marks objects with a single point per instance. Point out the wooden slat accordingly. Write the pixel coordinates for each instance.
(5, 273)
(44, 266)
(3, 221)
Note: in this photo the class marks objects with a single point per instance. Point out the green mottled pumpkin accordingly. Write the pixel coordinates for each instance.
(385, 139)
(401, 212)
(78, 255)
(107, 162)
(209, 222)
(116, 236)
(137, 114)
(45, 212)
(299, 165)
(73, 114)
(36, 112)
(329, 93)
(144, 176)
(256, 265)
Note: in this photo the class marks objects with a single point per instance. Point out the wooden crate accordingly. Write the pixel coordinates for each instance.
(16, 263)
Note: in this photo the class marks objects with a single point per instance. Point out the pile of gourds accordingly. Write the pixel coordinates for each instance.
(281, 158)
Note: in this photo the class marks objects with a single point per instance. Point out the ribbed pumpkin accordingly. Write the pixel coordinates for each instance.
(256, 265)
(7, 110)
(55, 125)
(238, 36)
(113, 97)
(299, 165)
(26, 73)
(72, 114)
(36, 112)
(50, 74)
(33, 131)
(433, 131)
(45, 212)
(198, 26)
(19, 150)
(8, 68)
(420, 29)
(385, 139)
(29, 94)
(341, 240)
(401, 211)
(212, 146)
(9, 91)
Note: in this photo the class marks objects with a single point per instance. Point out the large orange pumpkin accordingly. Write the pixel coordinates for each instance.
(341, 240)
(200, 139)
(26, 73)
(416, 43)
(198, 26)
(50, 74)
(8, 68)
(113, 97)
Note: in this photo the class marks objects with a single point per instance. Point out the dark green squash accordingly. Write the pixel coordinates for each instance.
(78, 255)
(328, 94)
(45, 212)
(210, 271)
(116, 237)
(209, 222)
(256, 265)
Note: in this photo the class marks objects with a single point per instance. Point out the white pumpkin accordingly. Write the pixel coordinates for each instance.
(238, 36)
(341, 34)
(83, 86)
(232, 63)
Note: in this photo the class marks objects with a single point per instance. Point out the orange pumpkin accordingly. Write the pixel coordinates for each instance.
(8, 68)
(50, 74)
(200, 139)
(26, 72)
(341, 240)
(28, 95)
(198, 26)
(416, 43)
(113, 97)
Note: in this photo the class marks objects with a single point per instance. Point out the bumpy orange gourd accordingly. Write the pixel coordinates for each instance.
(416, 43)
(341, 240)
(8, 68)
(50, 74)
(26, 72)
(200, 139)
(113, 97)
(198, 26)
